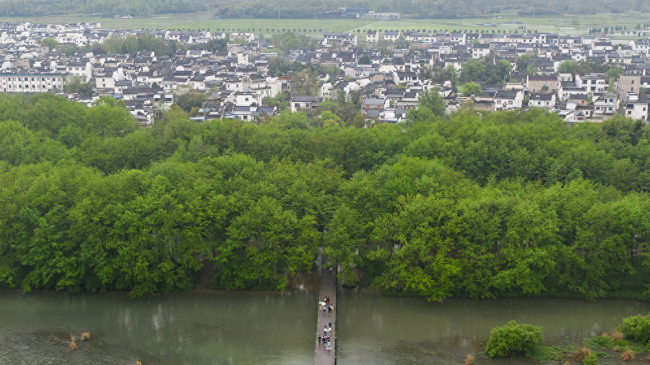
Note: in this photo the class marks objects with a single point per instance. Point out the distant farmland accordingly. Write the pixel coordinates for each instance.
(315, 28)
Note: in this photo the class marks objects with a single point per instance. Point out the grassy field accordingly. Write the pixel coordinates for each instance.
(564, 25)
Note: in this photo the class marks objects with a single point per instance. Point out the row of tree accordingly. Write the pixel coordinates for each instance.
(424, 9)
(477, 205)
(143, 8)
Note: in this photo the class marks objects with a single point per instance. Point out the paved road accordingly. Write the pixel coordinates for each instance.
(327, 289)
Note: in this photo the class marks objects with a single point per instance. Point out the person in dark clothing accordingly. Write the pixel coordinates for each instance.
(319, 338)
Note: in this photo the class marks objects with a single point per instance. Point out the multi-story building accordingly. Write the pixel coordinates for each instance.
(31, 83)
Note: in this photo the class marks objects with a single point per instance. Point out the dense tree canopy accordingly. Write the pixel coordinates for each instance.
(478, 205)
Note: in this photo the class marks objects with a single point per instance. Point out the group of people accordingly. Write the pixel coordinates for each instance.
(327, 330)
(325, 305)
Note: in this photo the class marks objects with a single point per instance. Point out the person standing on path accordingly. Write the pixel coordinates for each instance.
(319, 339)
(329, 310)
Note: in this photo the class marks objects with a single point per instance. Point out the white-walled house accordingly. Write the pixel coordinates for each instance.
(508, 100)
(81, 69)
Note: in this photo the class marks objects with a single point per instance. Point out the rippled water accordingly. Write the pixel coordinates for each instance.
(271, 328)
(187, 328)
(379, 330)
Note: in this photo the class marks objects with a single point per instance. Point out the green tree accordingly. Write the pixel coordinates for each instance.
(75, 84)
(471, 89)
(344, 240)
(304, 83)
(114, 44)
(432, 100)
(50, 43)
(241, 41)
(131, 45)
(522, 62)
(568, 66)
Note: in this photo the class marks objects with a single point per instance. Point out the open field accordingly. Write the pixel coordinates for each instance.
(564, 25)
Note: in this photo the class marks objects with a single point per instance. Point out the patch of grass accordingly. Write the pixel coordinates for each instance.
(600, 354)
(602, 342)
(549, 353)
(590, 359)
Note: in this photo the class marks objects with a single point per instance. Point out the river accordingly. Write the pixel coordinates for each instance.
(272, 328)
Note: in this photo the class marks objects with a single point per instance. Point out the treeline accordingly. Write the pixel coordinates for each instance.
(477, 205)
(447, 9)
(106, 8)
(295, 9)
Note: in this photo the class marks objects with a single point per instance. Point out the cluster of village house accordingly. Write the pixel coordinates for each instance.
(236, 80)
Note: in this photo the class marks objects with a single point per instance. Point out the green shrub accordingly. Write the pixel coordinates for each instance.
(514, 339)
(591, 359)
(636, 328)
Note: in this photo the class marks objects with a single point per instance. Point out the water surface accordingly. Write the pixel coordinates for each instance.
(203, 328)
(185, 328)
(380, 330)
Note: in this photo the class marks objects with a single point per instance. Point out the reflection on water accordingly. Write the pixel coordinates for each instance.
(379, 330)
(271, 328)
(186, 328)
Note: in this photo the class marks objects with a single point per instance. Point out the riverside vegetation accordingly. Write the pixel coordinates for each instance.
(476, 205)
(632, 337)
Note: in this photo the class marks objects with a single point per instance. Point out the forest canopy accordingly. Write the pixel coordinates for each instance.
(473, 204)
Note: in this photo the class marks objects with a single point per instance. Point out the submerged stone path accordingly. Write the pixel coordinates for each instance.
(327, 289)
